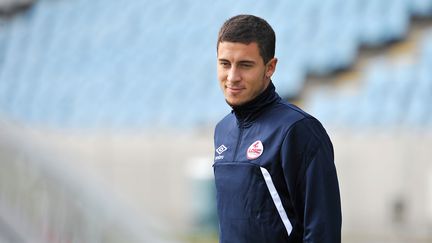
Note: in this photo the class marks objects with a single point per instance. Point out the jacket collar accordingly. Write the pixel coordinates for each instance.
(248, 112)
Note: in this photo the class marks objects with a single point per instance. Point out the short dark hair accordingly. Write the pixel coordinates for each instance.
(247, 29)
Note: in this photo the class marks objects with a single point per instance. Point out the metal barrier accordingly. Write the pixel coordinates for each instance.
(42, 200)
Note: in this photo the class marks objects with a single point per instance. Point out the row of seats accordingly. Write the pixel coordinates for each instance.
(392, 95)
(127, 63)
(9, 7)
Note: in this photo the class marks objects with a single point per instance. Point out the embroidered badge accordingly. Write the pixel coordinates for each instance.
(255, 150)
(221, 149)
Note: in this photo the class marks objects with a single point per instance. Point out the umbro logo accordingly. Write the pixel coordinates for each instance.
(221, 149)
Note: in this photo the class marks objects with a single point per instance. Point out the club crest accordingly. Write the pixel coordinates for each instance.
(255, 150)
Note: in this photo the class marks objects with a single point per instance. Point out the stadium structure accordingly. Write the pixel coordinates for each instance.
(107, 111)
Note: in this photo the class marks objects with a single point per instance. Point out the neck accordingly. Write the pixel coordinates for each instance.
(249, 111)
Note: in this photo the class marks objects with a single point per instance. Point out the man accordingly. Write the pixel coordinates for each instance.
(274, 171)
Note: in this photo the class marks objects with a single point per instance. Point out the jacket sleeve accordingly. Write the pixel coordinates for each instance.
(310, 174)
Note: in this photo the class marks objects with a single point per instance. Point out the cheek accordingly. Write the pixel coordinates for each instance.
(221, 74)
(255, 81)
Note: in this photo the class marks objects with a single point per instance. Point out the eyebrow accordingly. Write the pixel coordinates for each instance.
(240, 62)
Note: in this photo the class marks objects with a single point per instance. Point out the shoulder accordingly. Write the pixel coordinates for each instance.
(298, 124)
(226, 122)
(307, 135)
(287, 115)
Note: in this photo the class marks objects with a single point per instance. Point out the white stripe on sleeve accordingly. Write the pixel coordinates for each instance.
(276, 199)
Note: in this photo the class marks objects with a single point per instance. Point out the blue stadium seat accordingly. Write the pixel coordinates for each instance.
(421, 8)
(137, 62)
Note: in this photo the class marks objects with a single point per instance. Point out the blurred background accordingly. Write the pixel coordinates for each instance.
(107, 110)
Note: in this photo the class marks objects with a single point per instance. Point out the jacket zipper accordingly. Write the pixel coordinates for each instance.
(238, 143)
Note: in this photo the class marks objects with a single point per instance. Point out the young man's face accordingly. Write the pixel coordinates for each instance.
(242, 73)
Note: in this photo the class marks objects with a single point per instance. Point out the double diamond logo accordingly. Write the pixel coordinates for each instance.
(221, 149)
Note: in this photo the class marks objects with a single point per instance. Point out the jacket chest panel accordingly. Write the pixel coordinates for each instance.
(248, 145)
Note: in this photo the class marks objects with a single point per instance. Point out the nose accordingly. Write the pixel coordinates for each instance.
(233, 75)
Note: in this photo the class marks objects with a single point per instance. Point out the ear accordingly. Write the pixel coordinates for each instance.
(271, 67)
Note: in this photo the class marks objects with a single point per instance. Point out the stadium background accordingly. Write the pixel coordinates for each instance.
(107, 111)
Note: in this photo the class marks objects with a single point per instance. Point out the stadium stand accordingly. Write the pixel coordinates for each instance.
(106, 63)
(151, 64)
(392, 95)
(421, 7)
(10, 7)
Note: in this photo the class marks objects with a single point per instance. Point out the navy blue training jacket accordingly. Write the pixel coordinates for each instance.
(275, 175)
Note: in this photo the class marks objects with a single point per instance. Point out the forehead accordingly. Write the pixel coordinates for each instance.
(236, 51)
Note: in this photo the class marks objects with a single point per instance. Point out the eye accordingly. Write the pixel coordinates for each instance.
(246, 65)
(224, 64)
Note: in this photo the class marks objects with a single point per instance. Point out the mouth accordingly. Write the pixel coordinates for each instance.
(234, 90)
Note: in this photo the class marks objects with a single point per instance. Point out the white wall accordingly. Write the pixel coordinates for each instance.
(385, 177)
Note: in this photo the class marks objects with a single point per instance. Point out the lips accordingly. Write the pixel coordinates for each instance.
(234, 90)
